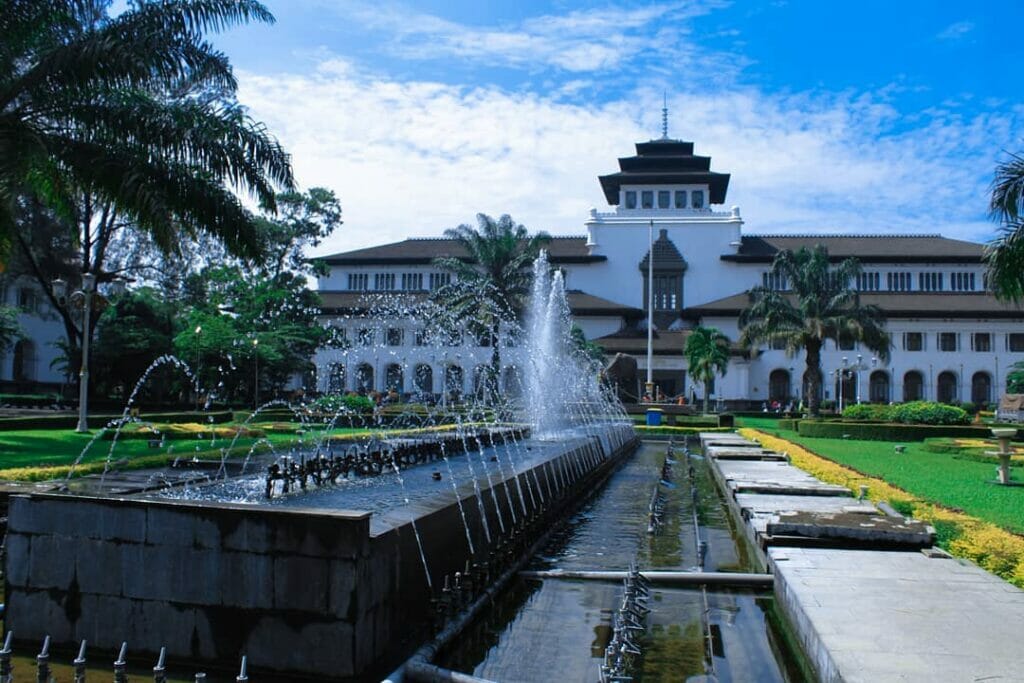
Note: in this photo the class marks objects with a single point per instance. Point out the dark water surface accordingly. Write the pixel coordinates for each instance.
(556, 630)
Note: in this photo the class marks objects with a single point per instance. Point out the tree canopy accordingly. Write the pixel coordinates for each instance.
(707, 355)
(817, 304)
(1005, 254)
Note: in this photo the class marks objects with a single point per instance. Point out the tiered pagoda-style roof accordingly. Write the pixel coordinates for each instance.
(666, 255)
(665, 162)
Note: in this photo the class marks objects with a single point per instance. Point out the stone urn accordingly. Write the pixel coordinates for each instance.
(1003, 436)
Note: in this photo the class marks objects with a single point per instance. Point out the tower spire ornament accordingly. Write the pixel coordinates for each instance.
(664, 116)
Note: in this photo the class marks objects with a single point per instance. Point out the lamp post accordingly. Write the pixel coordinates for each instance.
(842, 385)
(199, 331)
(85, 295)
(256, 373)
(650, 311)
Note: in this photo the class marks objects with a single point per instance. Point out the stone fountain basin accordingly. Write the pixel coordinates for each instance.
(1004, 432)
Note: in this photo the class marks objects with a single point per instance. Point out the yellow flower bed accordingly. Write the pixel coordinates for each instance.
(987, 545)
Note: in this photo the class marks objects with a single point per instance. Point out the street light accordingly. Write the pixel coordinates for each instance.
(256, 373)
(842, 385)
(83, 296)
(199, 331)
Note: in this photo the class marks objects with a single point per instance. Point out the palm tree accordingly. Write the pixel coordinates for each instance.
(492, 282)
(91, 106)
(707, 355)
(1005, 254)
(818, 305)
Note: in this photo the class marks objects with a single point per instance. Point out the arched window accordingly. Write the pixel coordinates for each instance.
(913, 386)
(480, 379)
(24, 361)
(336, 378)
(878, 387)
(423, 376)
(453, 377)
(981, 388)
(393, 377)
(364, 377)
(946, 386)
(512, 382)
(779, 386)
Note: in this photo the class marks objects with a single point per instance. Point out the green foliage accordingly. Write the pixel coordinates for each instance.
(1015, 378)
(10, 329)
(820, 305)
(707, 355)
(137, 111)
(58, 422)
(786, 423)
(968, 407)
(885, 432)
(929, 413)
(585, 348)
(1005, 254)
(351, 403)
(131, 333)
(872, 412)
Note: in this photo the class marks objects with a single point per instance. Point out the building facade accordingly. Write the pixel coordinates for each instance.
(952, 340)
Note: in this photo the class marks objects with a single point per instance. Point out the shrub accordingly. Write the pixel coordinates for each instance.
(871, 412)
(885, 432)
(929, 413)
(99, 421)
(788, 423)
(968, 407)
(350, 402)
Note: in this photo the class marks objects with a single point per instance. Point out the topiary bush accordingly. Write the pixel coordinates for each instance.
(886, 431)
(871, 412)
(929, 413)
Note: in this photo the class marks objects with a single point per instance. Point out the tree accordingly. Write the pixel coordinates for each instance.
(819, 305)
(707, 355)
(1015, 378)
(88, 109)
(133, 331)
(117, 128)
(1005, 254)
(491, 284)
(588, 351)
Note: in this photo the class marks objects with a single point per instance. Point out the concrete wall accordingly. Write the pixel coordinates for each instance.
(296, 590)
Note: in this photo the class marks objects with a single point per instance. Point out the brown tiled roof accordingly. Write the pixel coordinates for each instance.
(423, 250)
(867, 248)
(664, 343)
(895, 305)
(580, 303)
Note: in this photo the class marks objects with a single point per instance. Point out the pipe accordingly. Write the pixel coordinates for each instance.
(426, 654)
(430, 673)
(663, 578)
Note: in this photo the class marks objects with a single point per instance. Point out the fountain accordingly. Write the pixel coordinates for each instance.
(353, 540)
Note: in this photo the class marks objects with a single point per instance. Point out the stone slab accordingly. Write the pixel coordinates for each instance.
(742, 453)
(758, 508)
(744, 476)
(853, 527)
(899, 616)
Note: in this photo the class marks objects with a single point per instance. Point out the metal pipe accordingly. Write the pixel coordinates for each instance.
(662, 578)
(431, 673)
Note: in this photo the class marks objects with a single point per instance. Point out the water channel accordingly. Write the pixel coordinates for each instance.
(557, 629)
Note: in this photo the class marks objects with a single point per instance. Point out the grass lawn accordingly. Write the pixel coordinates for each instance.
(935, 477)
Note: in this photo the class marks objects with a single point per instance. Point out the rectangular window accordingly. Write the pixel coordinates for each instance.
(366, 336)
(869, 282)
(422, 338)
(680, 199)
(981, 341)
(913, 341)
(358, 282)
(439, 280)
(948, 341)
(961, 282)
(929, 282)
(697, 199)
(846, 344)
(412, 281)
(384, 282)
(27, 299)
(775, 281)
(777, 344)
(1015, 342)
(898, 282)
(647, 199)
(664, 197)
(394, 336)
(454, 338)
(630, 199)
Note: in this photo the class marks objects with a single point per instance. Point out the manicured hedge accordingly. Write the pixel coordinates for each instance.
(789, 423)
(886, 431)
(914, 412)
(8, 424)
(667, 430)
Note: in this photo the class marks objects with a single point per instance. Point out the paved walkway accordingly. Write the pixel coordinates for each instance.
(860, 613)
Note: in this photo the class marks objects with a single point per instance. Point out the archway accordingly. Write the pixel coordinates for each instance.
(336, 378)
(846, 384)
(453, 378)
(981, 389)
(364, 378)
(878, 387)
(512, 382)
(24, 369)
(423, 378)
(393, 377)
(913, 386)
(779, 386)
(946, 387)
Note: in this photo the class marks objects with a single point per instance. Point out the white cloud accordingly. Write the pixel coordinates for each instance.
(956, 31)
(411, 158)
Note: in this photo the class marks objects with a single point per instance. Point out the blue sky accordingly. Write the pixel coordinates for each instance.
(866, 117)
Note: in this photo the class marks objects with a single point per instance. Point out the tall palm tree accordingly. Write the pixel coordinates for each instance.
(492, 282)
(707, 355)
(818, 305)
(87, 109)
(1005, 254)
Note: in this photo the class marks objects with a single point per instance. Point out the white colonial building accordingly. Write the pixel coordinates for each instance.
(952, 340)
